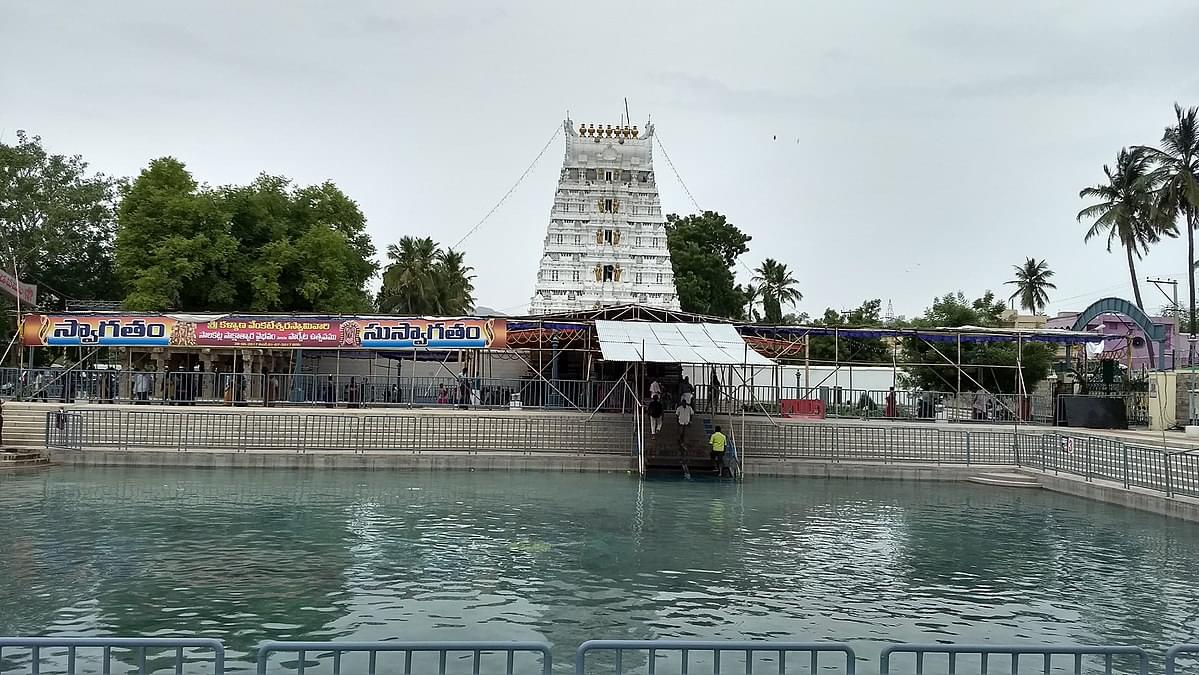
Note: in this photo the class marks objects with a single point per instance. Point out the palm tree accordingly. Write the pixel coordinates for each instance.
(777, 288)
(1125, 210)
(1032, 282)
(1177, 175)
(409, 281)
(455, 283)
(422, 279)
(753, 295)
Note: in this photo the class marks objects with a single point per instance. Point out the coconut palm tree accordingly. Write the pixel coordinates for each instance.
(1176, 174)
(1125, 211)
(422, 279)
(409, 284)
(777, 288)
(753, 296)
(455, 283)
(1032, 283)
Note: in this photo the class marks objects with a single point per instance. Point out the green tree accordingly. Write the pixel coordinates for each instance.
(422, 279)
(455, 283)
(299, 249)
(1032, 284)
(847, 349)
(703, 250)
(753, 297)
(174, 248)
(991, 364)
(1125, 210)
(57, 221)
(777, 288)
(1177, 175)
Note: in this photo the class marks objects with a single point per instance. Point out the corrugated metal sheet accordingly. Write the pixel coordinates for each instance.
(714, 343)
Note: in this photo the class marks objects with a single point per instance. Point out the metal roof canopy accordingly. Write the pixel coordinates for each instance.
(690, 343)
(964, 333)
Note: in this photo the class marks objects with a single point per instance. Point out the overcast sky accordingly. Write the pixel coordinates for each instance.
(922, 146)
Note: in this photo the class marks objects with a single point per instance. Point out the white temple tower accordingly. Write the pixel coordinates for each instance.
(606, 243)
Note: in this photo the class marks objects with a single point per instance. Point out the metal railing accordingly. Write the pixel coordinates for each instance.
(181, 388)
(296, 431)
(1046, 654)
(1173, 655)
(682, 657)
(72, 655)
(1171, 471)
(595, 657)
(469, 658)
(901, 404)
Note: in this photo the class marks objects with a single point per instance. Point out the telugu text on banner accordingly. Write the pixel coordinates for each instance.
(115, 330)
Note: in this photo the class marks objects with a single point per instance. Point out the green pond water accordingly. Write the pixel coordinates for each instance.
(245, 555)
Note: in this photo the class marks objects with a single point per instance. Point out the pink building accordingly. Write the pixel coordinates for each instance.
(1120, 333)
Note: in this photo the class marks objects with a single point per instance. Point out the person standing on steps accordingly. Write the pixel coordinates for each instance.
(655, 389)
(713, 391)
(718, 441)
(686, 390)
(684, 414)
(655, 415)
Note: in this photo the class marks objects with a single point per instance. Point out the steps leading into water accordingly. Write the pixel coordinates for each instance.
(1006, 479)
(22, 458)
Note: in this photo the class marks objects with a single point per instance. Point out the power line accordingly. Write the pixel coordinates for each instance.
(694, 203)
(658, 138)
(512, 189)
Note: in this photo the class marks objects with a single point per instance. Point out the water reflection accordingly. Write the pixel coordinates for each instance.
(247, 555)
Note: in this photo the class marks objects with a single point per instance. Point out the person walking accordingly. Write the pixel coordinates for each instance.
(713, 391)
(686, 390)
(655, 415)
(655, 389)
(683, 412)
(978, 403)
(718, 441)
(464, 390)
(891, 408)
(141, 387)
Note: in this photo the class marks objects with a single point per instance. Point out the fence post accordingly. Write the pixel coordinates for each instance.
(967, 448)
(1169, 481)
(1088, 460)
(1124, 447)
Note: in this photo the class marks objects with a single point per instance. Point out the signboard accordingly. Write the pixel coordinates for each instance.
(131, 330)
(26, 293)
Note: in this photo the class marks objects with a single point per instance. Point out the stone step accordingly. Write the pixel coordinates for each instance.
(24, 463)
(9, 455)
(1001, 479)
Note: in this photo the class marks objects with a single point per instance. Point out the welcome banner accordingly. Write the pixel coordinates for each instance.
(293, 332)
